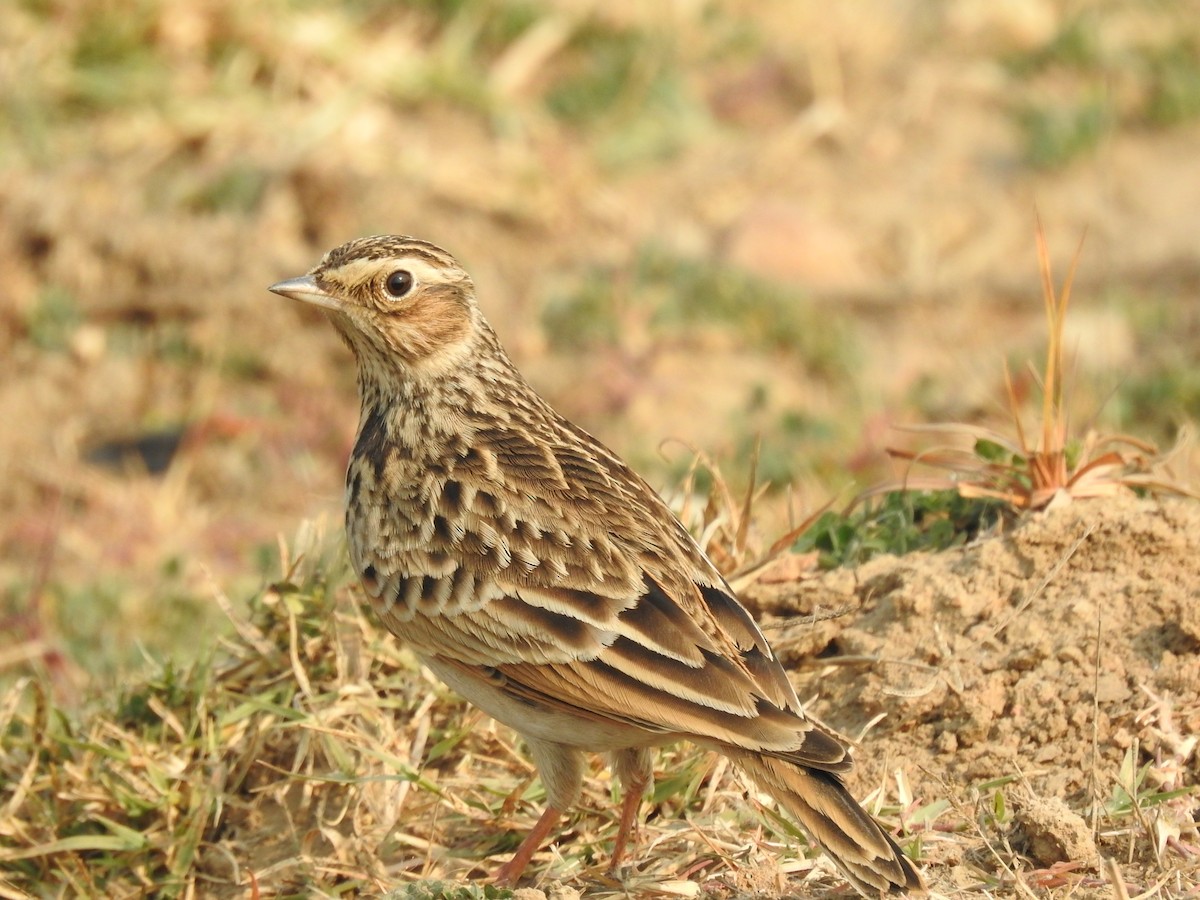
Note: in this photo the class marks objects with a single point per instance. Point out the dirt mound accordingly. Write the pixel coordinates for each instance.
(1043, 654)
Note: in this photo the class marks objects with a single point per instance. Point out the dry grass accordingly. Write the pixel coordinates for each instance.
(311, 757)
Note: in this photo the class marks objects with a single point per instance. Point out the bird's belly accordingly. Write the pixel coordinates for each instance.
(533, 720)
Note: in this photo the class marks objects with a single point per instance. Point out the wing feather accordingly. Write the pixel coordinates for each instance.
(585, 595)
(594, 658)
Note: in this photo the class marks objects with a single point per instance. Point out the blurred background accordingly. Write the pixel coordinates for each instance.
(695, 225)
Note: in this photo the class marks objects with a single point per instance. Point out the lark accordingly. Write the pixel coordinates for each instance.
(546, 582)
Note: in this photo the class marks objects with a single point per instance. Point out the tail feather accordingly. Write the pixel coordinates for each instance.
(868, 857)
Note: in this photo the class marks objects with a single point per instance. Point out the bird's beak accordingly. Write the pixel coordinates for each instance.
(305, 289)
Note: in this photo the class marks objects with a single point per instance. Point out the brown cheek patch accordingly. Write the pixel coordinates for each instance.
(437, 319)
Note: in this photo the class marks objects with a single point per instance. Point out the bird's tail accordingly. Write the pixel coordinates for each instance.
(867, 856)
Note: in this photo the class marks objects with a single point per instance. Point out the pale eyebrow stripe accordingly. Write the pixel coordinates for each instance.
(362, 269)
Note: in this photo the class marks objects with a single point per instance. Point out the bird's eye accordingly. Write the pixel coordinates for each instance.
(399, 283)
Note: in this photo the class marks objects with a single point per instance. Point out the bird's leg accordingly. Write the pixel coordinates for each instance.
(630, 804)
(511, 870)
(561, 770)
(635, 770)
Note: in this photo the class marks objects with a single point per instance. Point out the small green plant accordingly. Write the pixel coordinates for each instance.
(622, 85)
(993, 812)
(1078, 88)
(898, 522)
(465, 42)
(1133, 792)
(608, 67)
(1173, 96)
(1056, 135)
(1076, 46)
(1025, 473)
(116, 59)
(1154, 402)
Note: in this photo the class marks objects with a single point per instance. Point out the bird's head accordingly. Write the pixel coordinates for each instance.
(400, 303)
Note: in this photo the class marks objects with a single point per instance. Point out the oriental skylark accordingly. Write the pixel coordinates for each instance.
(537, 575)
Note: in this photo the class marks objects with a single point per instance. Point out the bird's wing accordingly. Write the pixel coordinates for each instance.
(561, 578)
(646, 665)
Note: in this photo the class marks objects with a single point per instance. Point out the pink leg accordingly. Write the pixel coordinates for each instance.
(630, 804)
(511, 871)
(635, 770)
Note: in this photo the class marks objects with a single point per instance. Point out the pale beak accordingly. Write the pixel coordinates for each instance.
(305, 289)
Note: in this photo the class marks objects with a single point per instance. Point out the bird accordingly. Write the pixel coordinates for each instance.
(538, 576)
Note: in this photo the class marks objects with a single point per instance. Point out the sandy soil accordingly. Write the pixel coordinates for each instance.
(1041, 655)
